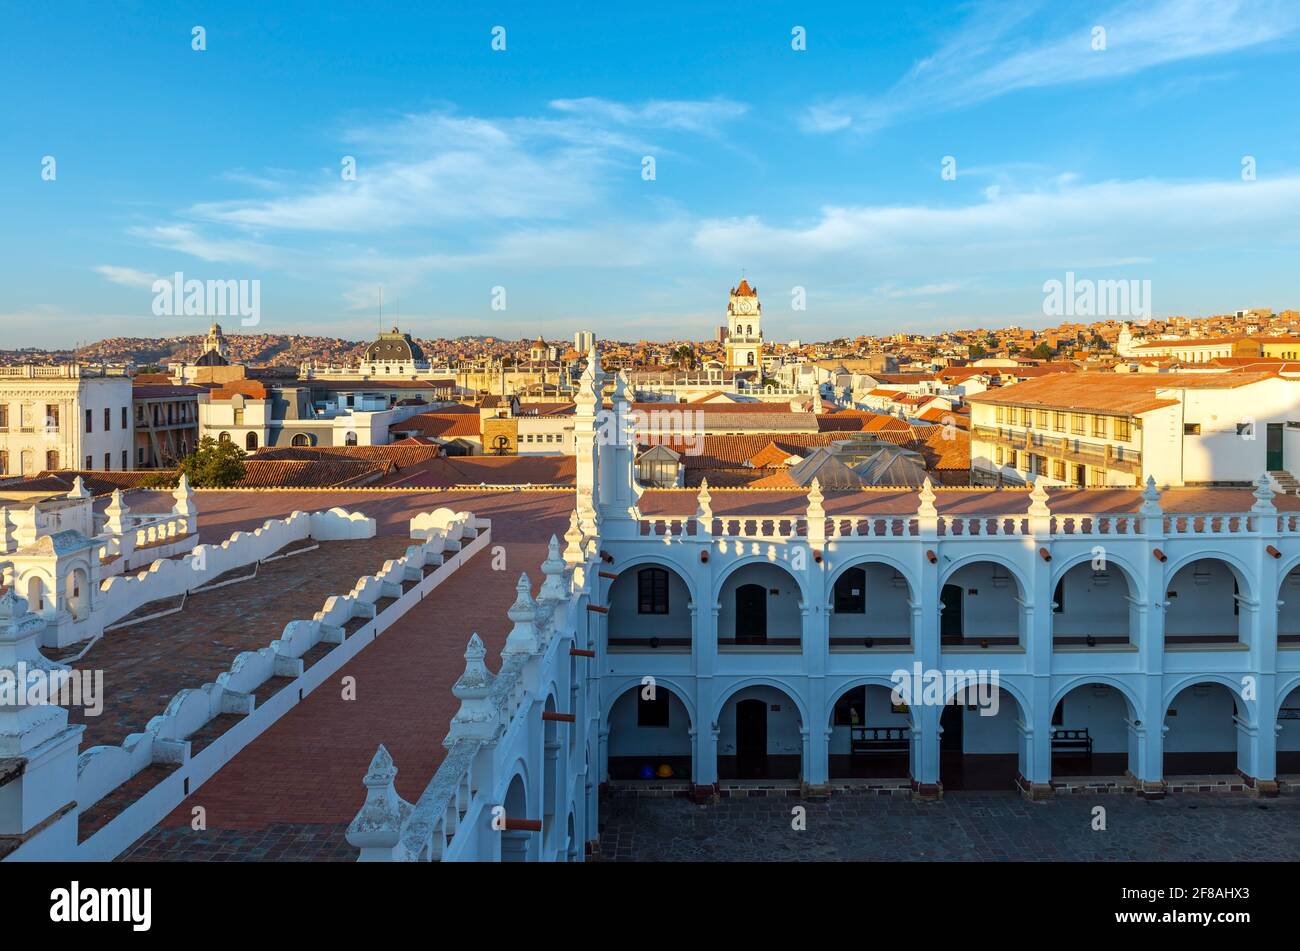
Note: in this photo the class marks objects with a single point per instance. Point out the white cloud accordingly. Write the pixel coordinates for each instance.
(126, 276)
(1068, 225)
(996, 52)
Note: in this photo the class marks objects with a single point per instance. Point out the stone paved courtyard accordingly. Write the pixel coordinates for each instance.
(962, 827)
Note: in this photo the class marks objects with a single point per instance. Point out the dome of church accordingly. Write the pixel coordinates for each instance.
(394, 347)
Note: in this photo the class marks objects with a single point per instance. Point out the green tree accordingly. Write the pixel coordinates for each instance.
(215, 464)
(1042, 352)
(975, 351)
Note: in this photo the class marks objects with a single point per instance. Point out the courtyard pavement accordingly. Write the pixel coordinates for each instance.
(964, 826)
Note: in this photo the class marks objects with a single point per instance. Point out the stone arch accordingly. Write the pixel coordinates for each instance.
(1082, 680)
(1131, 573)
(757, 559)
(635, 750)
(757, 737)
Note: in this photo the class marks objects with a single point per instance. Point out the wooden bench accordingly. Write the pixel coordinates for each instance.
(1071, 741)
(875, 740)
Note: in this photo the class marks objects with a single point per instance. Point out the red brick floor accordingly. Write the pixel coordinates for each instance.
(146, 664)
(306, 770)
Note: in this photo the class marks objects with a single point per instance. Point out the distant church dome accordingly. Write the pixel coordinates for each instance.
(394, 347)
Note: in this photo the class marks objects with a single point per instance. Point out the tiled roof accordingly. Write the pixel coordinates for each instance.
(447, 472)
(249, 388)
(1111, 392)
(400, 455)
(96, 481)
(275, 473)
(440, 425)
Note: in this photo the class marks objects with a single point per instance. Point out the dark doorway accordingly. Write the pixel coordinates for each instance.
(1274, 463)
(751, 739)
(950, 721)
(1081, 476)
(751, 614)
(950, 620)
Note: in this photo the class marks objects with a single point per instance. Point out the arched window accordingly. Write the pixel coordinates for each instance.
(302, 439)
(51, 459)
(652, 591)
(350, 439)
(749, 359)
(224, 437)
(250, 441)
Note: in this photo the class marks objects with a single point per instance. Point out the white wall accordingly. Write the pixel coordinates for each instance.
(1203, 723)
(888, 612)
(1091, 608)
(1102, 711)
(991, 610)
(995, 734)
(1201, 608)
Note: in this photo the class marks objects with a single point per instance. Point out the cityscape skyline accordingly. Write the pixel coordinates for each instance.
(977, 154)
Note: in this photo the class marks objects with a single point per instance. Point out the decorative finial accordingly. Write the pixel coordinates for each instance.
(1038, 500)
(926, 497)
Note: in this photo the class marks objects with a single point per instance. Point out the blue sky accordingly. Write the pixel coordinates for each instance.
(522, 168)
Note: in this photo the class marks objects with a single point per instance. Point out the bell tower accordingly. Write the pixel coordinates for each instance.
(744, 329)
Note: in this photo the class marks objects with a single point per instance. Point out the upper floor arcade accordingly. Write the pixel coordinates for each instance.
(819, 584)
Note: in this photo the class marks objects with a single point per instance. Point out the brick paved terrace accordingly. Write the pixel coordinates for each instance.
(290, 794)
(963, 826)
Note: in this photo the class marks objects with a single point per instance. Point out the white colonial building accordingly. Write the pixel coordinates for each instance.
(1120, 644)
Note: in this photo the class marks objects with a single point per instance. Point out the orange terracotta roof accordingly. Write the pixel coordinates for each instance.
(1131, 393)
(744, 290)
(770, 456)
(440, 425)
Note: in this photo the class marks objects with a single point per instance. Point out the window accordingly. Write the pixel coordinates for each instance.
(108, 419)
(1191, 429)
(1246, 429)
(90, 463)
(224, 437)
(851, 592)
(125, 417)
(139, 456)
(51, 417)
(126, 464)
(90, 424)
(51, 459)
(1042, 419)
(653, 712)
(1058, 470)
(1099, 427)
(1001, 458)
(108, 462)
(239, 416)
(4, 461)
(1059, 421)
(1013, 415)
(1123, 432)
(1077, 423)
(1001, 414)
(4, 415)
(652, 591)
(250, 442)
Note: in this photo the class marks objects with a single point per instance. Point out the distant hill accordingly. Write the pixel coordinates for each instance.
(253, 349)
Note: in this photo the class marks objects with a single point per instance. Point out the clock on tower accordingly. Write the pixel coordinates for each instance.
(744, 329)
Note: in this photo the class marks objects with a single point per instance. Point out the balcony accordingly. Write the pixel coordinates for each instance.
(1069, 449)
